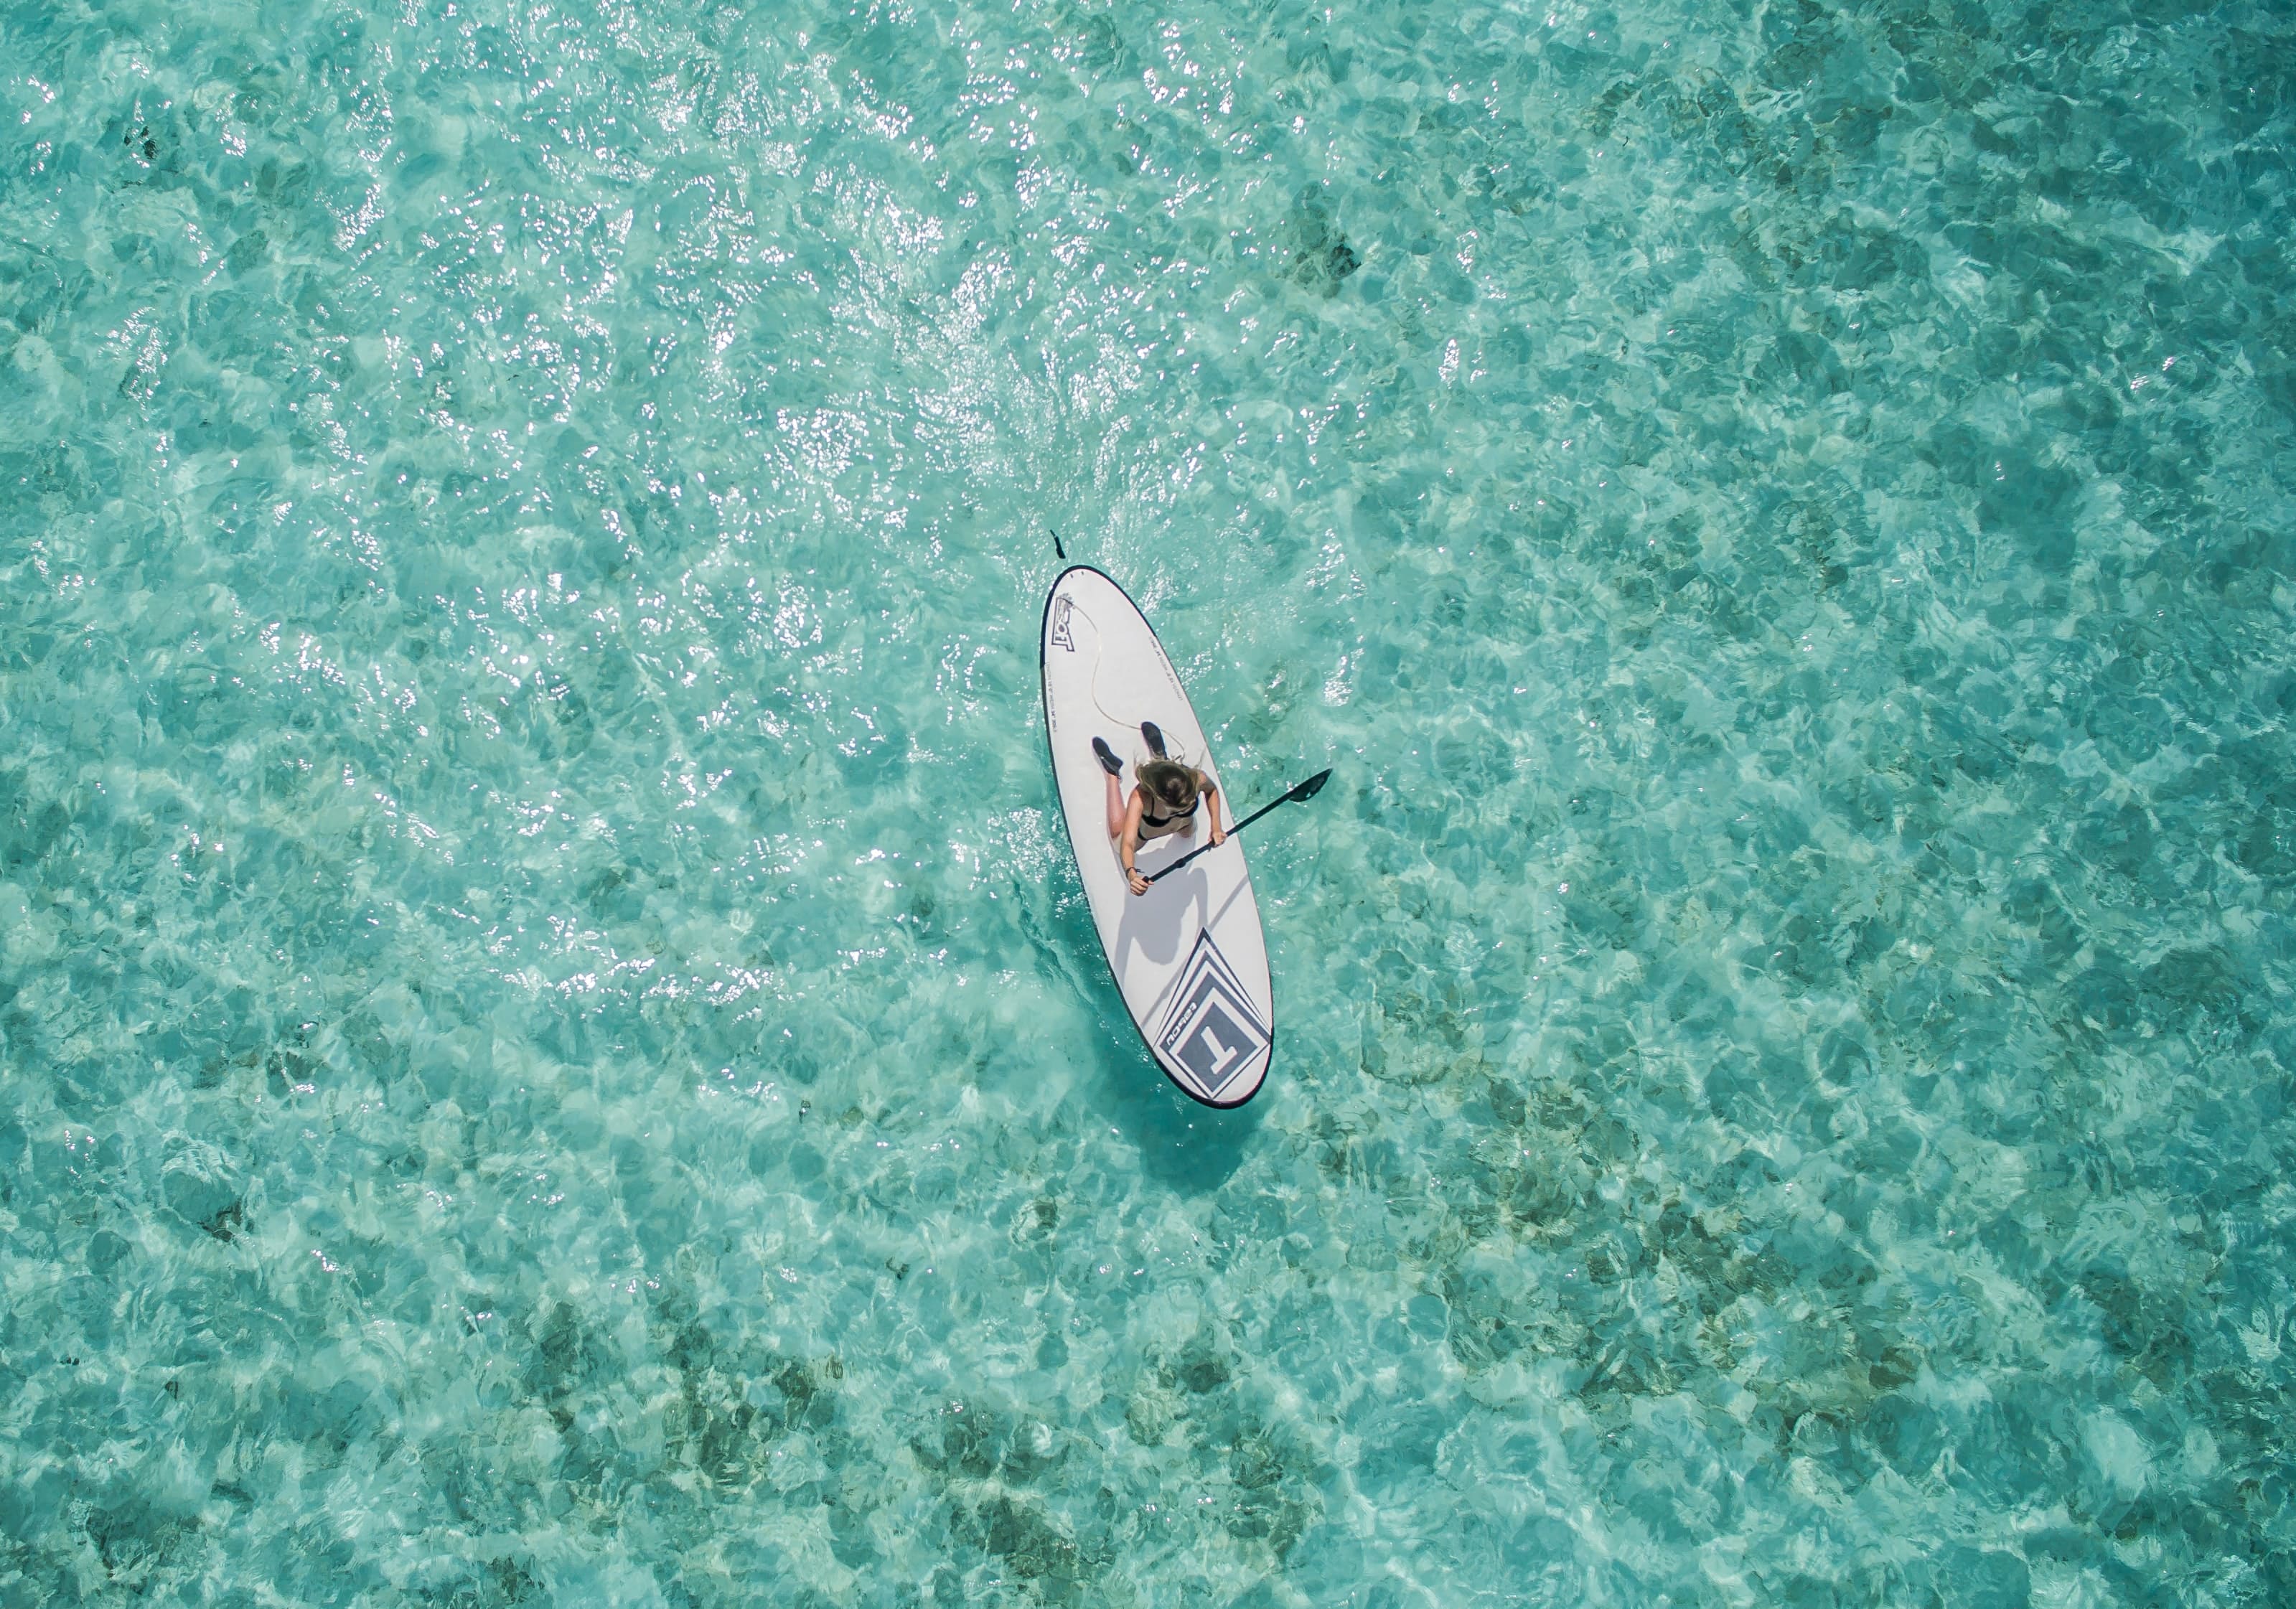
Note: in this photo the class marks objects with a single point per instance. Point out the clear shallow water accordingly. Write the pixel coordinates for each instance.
(552, 1049)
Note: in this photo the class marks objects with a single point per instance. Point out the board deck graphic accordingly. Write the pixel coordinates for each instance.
(1209, 1027)
(1189, 957)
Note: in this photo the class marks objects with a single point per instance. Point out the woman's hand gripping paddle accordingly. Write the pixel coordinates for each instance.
(1301, 794)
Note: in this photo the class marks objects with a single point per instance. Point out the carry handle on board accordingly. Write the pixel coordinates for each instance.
(1301, 794)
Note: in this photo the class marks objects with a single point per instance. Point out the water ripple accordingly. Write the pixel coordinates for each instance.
(553, 1051)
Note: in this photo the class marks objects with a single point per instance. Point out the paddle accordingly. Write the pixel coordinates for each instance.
(1301, 794)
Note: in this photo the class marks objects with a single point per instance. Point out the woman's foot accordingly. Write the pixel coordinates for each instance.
(1106, 756)
(1153, 738)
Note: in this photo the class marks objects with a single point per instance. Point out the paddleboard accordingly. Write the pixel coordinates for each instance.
(1188, 956)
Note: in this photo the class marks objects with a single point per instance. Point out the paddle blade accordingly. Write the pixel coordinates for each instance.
(1308, 789)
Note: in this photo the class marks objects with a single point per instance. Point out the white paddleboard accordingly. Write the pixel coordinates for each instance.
(1188, 956)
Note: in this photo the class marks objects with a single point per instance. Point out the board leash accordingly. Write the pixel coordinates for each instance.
(1099, 642)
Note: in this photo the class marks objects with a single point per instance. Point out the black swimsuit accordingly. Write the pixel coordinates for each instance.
(1158, 826)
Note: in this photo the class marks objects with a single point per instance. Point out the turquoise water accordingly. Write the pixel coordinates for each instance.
(553, 1049)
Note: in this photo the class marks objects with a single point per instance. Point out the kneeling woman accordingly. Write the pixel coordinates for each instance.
(1167, 799)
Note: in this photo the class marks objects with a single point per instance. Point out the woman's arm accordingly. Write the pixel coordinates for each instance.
(1212, 803)
(1128, 845)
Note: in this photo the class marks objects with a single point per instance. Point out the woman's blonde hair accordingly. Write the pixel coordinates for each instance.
(1178, 786)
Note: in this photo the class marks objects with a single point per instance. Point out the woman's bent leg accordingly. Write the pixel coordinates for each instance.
(1115, 809)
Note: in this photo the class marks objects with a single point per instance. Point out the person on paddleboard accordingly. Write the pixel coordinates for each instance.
(1167, 797)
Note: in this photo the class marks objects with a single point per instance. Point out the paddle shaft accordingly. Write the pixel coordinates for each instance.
(1284, 799)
